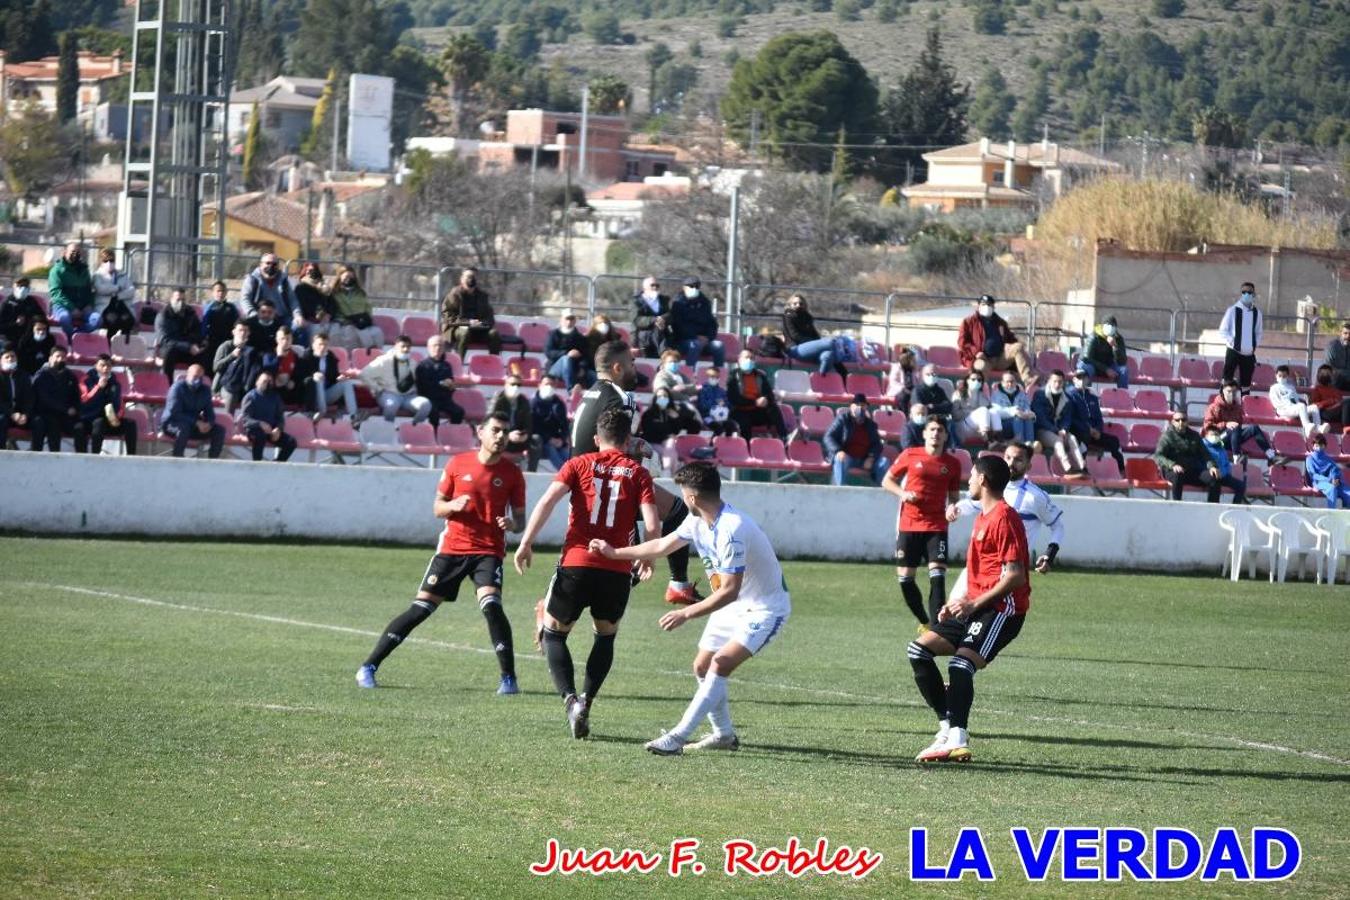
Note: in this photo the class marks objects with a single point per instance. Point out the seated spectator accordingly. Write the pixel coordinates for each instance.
(714, 405)
(35, 347)
(101, 410)
(189, 414)
(975, 419)
(1222, 467)
(1092, 433)
(1183, 458)
(1104, 354)
(1225, 411)
(854, 441)
(322, 383)
(263, 418)
(467, 317)
(315, 301)
(804, 342)
(1338, 357)
(114, 297)
(912, 435)
(751, 398)
(436, 381)
(1014, 407)
(668, 376)
(513, 406)
(269, 282)
(985, 342)
(1332, 403)
(570, 359)
(18, 311)
(263, 326)
(651, 319)
(236, 365)
(901, 380)
(693, 327)
(16, 395)
(1325, 475)
(218, 320)
(281, 361)
(56, 404)
(178, 335)
(932, 392)
(1057, 421)
(70, 287)
(354, 315)
(1290, 404)
(665, 418)
(601, 332)
(549, 427)
(391, 378)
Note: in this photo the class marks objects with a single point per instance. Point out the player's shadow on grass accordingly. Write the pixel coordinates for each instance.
(1137, 705)
(1116, 743)
(747, 701)
(1141, 773)
(1172, 664)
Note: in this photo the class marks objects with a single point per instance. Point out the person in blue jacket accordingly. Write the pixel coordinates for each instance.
(693, 326)
(1223, 466)
(189, 415)
(1324, 474)
(1057, 421)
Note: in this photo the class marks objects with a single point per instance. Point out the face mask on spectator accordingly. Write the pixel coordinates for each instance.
(401, 355)
(986, 310)
(194, 382)
(930, 380)
(747, 365)
(1280, 379)
(918, 418)
(176, 303)
(545, 391)
(691, 292)
(673, 368)
(1109, 330)
(21, 292)
(8, 366)
(650, 294)
(567, 328)
(40, 335)
(1247, 298)
(348, 280)
(471, 282)
(602, 327)
(511, 390)
(662, 401)
(974, 384)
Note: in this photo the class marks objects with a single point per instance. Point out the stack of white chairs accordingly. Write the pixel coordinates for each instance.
(1282, 539)
(1335, 529)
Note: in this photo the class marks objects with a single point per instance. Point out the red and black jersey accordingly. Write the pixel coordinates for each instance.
(998, 537)
(473, 530)
(932, 478)
(608, 490)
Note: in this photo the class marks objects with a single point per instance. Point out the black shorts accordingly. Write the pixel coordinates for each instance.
(446, 571)
(913, 548)
(986, 634)
(574, 588)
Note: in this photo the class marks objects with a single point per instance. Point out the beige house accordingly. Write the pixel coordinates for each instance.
(984, 174)
(35, 81)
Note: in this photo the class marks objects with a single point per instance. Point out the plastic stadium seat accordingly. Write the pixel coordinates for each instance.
(1157, 370)
(966, 462)
(869, 385)
(891, 423)
(142, 419)
(1142, 472)
(344, 359)
(1039, 471)
(946, 359)
(1132, 365)
(337, 438)
(528, 369)
(1153, 404)
(85, 347)
(769, 453)
(686, 444)
(1116, 402)
(1194, 372)
(1288, 481)
(474, 405)
(149, 387)
(1257, 486)
(1105, 476)
(1258, 410)
(487, 369)
(1049, 360)
(388, 326)
(1263, 376)
(732, 451)
(301, 427)
(379, 436)
(794, 386)
(420, 328)
(829, 387)
(815, 420)
(808, 456)
(1291, 444)
(789, 417)
(456, 438)
(362, 356)
(1121, 433)
(506, 329)
(1299, 371)
(419, 440)
(731, 345)
(131, 350)
(1144, 437)
(534, 335)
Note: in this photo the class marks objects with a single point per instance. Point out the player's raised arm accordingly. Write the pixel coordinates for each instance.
(656, 548)
(542, 510)
(446, 507)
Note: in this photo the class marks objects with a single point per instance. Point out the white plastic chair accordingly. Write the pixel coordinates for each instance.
(793, 385)
(1335, 529)
(1246, 538)
(1298, 537)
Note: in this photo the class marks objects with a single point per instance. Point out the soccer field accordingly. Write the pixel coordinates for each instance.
(180, 720)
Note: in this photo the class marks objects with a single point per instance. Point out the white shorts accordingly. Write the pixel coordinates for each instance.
(751, 628)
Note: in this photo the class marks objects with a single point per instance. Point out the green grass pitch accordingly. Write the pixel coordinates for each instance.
(213, 743)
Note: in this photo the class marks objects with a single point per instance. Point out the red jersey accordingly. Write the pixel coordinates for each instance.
(608, 489)
(998, 537)
(931, 478)
(473, 530)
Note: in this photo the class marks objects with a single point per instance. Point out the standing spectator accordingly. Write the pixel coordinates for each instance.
(322, 383)
(178, 333)
(714, 404)
(436, 382)
(902, 379)
(549, 427)
(35, 347)
(71, 289)
(569, 357)
(1014, 406)
(264, 419)
(282, 362)
(56, 404)
(693, 327)
(16, 395)
(391, 378)
(750, 395)
(1331, 402)
(804, 342)
(18, 311)
(101, 409)
(355, 316)
(269, 282)
(514, 407)
(1225, 410)
(986, 343)
(1183, 459)
(263, 325)
(189, 414)
(975, 418)
(1338, 357)
(1325, 475)
(1092, 433)
(1105, 354)
(1291, 405)
(668, 376)
(651, 319)
(314, 300)
(854, 441)
(114, 296)
(236, 365)
(1221, 468)
(1241, 331)
(466, 315)
(1057, 421)
(218, 320)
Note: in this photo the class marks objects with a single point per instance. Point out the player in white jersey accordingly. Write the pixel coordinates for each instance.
(1032, 505)
(746, 609)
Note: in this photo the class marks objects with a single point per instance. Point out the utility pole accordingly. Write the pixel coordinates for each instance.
(585, 125)
(567, 219)
(337, 116)
(309, 224)
(1143, 156)
(1101, 136)
(733, 262)
(754, 134)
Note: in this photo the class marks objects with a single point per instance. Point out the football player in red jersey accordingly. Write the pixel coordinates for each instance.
(974, 628)
(608, 491)
(473, 495)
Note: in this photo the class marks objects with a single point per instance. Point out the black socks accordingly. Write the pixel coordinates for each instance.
(499, 631)
(913, 597)
(928, 678)
(559, 661)
(398, 630)
(961, 691)
(597, 665)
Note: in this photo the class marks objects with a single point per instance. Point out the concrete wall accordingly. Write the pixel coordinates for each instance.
(92, 495)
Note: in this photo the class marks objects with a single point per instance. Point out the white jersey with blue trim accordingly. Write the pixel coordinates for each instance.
(732, 545)
(1034, 507)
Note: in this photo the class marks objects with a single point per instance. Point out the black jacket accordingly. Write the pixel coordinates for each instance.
(17, 316)
(517, 411)
(933, 397)
(16, 394)
(429, 373)
(55, 393)
(172, 327)
(236, 375)
(264, 337)
(308, 364)
(799, 327)
(736, 398)
(841, 430)
(559, 344)
(550, 417)
(313, 299)
(645, 333)
(33, 354)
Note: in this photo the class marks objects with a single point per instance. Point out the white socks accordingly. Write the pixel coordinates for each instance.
(711, 694)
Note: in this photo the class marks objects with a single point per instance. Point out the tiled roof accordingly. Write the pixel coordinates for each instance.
(92, 68)
(634, 190)
(1032, 153)
(280, 216)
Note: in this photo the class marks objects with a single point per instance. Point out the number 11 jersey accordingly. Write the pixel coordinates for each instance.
(608, 490)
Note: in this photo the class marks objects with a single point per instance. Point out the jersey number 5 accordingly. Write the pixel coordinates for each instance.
(607, 497)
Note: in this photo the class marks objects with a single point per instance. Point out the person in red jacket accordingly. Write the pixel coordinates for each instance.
(985, 342)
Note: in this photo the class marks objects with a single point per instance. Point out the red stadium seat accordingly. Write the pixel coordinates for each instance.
(420, 328)
(1256, 484)
(527, 369)
(829, 387)
(535, 336)
(1291, 444)
(1263, 376)
(1157, 370)
(148, 386)
(1105, 476)
(84, 348)
(808, 456)
(1194, 372)
(686, 444)
(815, 420)
(338, 438)
(1144, 437)
(1258, 410)
(485, 368)
(1152, 404)
(769, 453)
(732, 451)
(789, 417)
(1048, 361)
(868, 385)
(363, 356)
(731, 345)
(1288, 481)
(891, 423)
(946, 359)
(963, 456)
(388, 326)
(456, 438)
(419, 440)
(1142, 472)
(1039, 471)
(1116, 402)
(1120, 432)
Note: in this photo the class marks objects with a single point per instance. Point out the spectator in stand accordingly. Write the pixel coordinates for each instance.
(178, 335)
(714, 405)
(1292, 405)
(1105, 354)
(1225, 411)
(513, 406)
(693, 327)
(1222, 468)
(466, 315)
(263, 418)
(322, 383)
(114, 296)
(70, 286)
(189, 414)
(436, 382)
(912, 434)
(101, 409)
(902, 379)
(263, 326)
(665, 418)
(355, 316)
(1241, 331)
(986, 343)
(570, 359)
(668, 376)
(932, 392)
(16, 395)
(651, 319)
(601, 332)
(1325, 475)
(1332, 403)
(854, 441)
(1014, 407)
(549, 427)
(269, 282)
(751, 398)
(1183, 459)
(1338, 357)
(35, 347)
(314, 300)
(975, 418)
(218, 320)
(392, 379)
(282, 362)
(18, 311)
(1092, 433)
(804, 342)
(1057, 421)
(236, 365)
(56, 404)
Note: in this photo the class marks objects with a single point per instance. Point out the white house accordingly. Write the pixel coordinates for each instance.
(286, 105)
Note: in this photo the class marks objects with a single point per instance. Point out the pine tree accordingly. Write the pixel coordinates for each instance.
(991, 106)
(926, 109)
(1026, 124)
(465, 62)
(68, 78)
(252, 140)
(610, 95)
(656, 57)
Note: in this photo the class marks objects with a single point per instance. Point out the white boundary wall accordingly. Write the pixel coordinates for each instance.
(102, 495)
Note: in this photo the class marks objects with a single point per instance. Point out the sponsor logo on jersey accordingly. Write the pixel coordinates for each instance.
(496, 482)
(466, 477)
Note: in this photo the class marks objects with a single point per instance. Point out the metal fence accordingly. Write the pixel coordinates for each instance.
(526, 292)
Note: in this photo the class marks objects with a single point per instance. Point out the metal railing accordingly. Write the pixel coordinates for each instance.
(526, 291)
